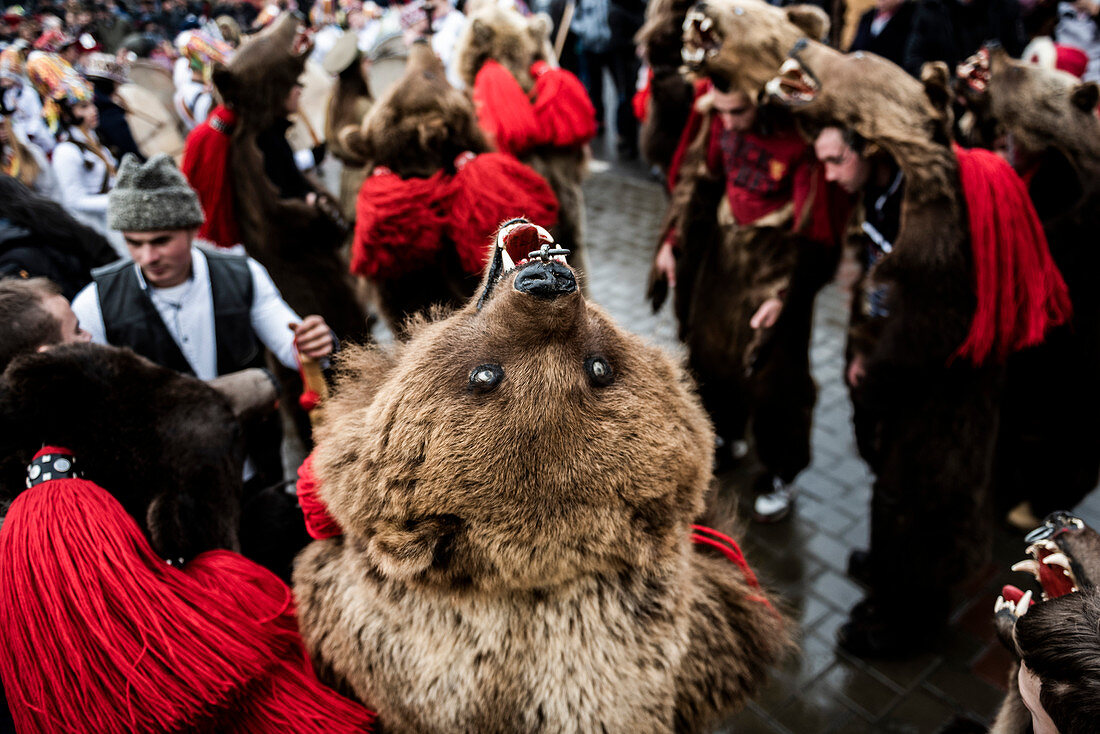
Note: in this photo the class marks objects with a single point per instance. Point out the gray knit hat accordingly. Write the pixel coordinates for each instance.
(152, 196)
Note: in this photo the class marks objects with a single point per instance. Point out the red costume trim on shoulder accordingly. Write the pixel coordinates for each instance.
(206, 165)
(1020, 292)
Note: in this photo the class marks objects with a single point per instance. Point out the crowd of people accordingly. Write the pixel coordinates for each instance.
(162, 191)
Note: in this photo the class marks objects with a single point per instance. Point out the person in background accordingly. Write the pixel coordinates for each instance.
(33, 317)
(884, 29)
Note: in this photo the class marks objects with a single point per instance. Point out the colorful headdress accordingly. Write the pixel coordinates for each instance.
(12, 64)
(56, 81)
(202, 50)
(53, 41)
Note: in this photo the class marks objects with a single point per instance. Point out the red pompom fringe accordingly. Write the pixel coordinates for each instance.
(399, 223)
(319, 524)
(564, 112)
(702, 535)
(640, 101)
(100, 634)
(1020, 292)
(206, 165)
(489, 189)
(503, 109)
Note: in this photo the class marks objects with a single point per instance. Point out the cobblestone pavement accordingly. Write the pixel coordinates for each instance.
(821, 689)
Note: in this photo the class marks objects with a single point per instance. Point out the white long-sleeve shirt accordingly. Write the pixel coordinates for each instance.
(80, 178)
(188, 312)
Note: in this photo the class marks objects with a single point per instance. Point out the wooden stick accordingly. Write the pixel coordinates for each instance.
(563, 29)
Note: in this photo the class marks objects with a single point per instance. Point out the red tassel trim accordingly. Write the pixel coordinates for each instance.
(703, 535)
(503, 109)
(1020, 292)
(640, 101)
(565, 114)
(399, 223)
(319, 524)
(100, 634)
(489, 189)
(206, 165)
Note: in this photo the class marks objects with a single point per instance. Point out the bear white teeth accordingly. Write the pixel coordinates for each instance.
(1030, 566)
(1017, 609)
(1049, 546)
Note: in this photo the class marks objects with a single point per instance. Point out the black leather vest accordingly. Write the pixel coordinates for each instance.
(131, 320)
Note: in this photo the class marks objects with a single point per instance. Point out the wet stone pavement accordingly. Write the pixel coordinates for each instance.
(803, 558)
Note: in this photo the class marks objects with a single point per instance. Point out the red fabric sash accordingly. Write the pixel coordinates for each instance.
(558, 113)
(206, 166)
(1020, 292)
(401, 223)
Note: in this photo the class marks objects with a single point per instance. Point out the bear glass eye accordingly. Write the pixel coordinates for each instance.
(485, 377)
(599, 371)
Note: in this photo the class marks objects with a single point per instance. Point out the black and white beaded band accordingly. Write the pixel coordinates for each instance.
(51, 466)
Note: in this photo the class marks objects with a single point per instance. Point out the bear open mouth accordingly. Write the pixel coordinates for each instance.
(795, 85)
(518, 235)
(1049, 563)
(701, 38)
(974, 72)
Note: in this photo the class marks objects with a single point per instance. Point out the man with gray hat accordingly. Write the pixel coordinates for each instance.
(198, 312)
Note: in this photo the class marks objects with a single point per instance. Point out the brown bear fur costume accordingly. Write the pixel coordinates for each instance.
(295, 241)
(166, 445)
(926, 421)
(516, 484)
(724, 273)
(420, 126)
(502, 34)
(1049, 444)
(670, 92)
(1065, 616)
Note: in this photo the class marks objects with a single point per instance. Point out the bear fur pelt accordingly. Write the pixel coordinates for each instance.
(297, 243)
(516, 484)
(1049, 446)
(435, 193)
(670, 93)
(928, 418)
(166, 445)
(500, 34)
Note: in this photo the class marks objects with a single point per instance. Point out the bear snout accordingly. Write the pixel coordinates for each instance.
(546, 280)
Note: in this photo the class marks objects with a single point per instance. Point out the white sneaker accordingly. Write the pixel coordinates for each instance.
(775, 505)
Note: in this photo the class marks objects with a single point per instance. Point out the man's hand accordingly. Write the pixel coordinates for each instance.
(768, 313)
(666, 263)
(1089, 7)
(312, 337)
(857, 370)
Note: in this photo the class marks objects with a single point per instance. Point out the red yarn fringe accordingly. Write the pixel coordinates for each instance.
(503, 109)
(319, 524)
(99, 634)
(206, 166)
(702, 535)
(489, 189)
(565, 114)
(399, 223)
(640, 101)
(1020, 292)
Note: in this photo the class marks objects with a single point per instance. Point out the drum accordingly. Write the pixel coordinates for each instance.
(154, 126)
(309, 124)
(153, 77)
(389, 57)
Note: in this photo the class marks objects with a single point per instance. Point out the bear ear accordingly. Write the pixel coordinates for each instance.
(811, 19)
(1085, 96)
(936, 78)
(414, 547)
(483, 32)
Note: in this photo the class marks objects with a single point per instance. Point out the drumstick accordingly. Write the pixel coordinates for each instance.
(563, 29)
